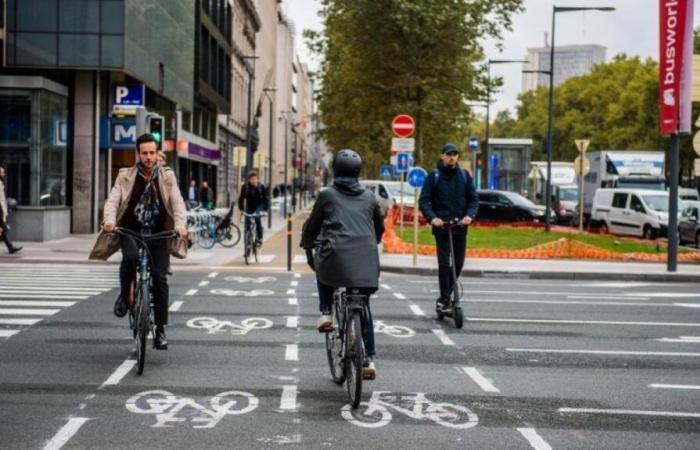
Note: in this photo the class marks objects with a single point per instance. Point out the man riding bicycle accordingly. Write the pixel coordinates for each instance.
(146, 199)
(254, 200)
(448, 194)
(344, 229)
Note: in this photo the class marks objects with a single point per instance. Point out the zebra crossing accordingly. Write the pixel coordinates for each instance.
(28, 295)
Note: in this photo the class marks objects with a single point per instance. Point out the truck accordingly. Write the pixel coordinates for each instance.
(564, 188)
(628, 169)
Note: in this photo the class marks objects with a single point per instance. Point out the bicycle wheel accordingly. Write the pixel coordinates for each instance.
(228, 236)
(334, 353)
(208, 237)
(354, 358)
(142, 326)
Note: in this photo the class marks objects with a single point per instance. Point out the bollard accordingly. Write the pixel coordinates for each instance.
(289, 242)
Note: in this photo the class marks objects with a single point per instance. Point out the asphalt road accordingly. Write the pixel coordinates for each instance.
(539, 364)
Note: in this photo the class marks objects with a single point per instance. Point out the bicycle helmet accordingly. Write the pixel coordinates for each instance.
(347, 163)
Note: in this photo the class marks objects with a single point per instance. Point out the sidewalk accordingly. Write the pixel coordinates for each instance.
(76, 248)
(558, 269)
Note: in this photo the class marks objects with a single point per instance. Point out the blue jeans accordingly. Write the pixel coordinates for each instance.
(325, 297)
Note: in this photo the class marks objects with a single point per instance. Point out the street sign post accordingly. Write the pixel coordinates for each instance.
(403, 125)
(581, 166)
(582, 144)
(403, 145)
(473, 143)
(402, 160)
(386, 171)
(416, 178)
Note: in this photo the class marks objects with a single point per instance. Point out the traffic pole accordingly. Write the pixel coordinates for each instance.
(401, 207)
(289, 242)
(672, 233)
(415, 227)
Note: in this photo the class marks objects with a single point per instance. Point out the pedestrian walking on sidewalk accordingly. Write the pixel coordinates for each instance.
(4, 211)
(206, 196)
(449, 194)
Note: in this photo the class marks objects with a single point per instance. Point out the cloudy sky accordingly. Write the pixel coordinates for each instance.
(632, 29)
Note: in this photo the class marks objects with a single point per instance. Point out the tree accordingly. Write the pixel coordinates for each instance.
(385, 57)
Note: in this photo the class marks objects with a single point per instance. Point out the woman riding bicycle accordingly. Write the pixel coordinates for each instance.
(344, 229)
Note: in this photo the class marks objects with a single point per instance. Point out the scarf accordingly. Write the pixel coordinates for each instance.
(348, 185)
(148, 206)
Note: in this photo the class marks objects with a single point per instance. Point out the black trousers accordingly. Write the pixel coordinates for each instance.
(160, 260)
(4, 235)
(459, 243)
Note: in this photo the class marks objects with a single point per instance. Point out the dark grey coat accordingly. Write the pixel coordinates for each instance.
(344, 229)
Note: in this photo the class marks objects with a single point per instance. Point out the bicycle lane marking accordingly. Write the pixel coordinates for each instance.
(484, 383)
(417, 310)
(119, 374)
(175, 306)
(191, 292)
(65, 433)
(440, 334)
(288, 402)
(213, 274)
(534, 439)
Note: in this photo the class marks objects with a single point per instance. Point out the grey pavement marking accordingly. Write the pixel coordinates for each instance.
(293, 301)
(213, 274)
(476, 376)
(630, 412)
(65, 433)
(417, 310)
(294, 283)
(292, 321)
(399, 295)
(601, 352)
(582, 322)
(191, 292)
(674, 386)
(534, 439)
(203, 283)
(175, 306)
(443, 336)
(297, 275)
(291, 291)
(288, 401)
(386, 286)
(119, 373)
(291, 352)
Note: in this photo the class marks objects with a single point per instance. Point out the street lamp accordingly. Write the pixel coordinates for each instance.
(484, 181)
(286, 115)
(248, 137)
(548, 184)
(269, 163)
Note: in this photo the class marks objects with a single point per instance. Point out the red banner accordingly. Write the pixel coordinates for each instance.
(673, 38)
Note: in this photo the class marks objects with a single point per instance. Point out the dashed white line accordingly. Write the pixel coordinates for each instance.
(118, 374)
(479, 379)
(8, 333)
(297, 275)
(534, 439)
(682, 339)
(601, 352)
(175, 306)
(65, 433)
(294, 284)
(399, 295)
(293, 301)
(291, 291)
(292, 321)
(213, 274)
(191, 292)
(291, 352)
(583, 322)
(674, 386)
(386, 286)
(443, 336)
(630, 412)
(288, 402)
(417, 310)
(19, 321)
(27, 312)
(23, 294)
(203, 283)
(34, 303)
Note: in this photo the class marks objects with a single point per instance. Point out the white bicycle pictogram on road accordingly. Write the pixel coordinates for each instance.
(213, 325)
(235, 293)
(258, 280)
(170, 409)
(377, 412)
(396, 331)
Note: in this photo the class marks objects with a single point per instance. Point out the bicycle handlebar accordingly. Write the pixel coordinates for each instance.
(253, 215)
(145, 237)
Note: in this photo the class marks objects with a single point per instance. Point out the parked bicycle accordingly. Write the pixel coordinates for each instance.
(141, 318)
(453, 308)
(345, 346)
(206, 228)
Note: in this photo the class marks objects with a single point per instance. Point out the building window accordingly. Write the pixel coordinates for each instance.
(112, 17)
(79, 16)
(213, 68)
(186, 120)
(36, 15)
(78, 50)
(204, 55)
(112, 51)
(34, 49)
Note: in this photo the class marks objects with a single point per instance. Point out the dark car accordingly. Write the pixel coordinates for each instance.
(689, 224)
(505, 206)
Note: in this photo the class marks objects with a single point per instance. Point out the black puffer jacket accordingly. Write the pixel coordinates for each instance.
(451, 196)
(344, 229)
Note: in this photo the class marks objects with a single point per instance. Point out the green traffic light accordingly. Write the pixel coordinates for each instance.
(156, 136)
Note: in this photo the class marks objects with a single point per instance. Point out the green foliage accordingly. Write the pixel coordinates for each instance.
(386, 57)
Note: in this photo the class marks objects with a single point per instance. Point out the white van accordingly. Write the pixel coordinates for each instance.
(636, 212)
(689, 194)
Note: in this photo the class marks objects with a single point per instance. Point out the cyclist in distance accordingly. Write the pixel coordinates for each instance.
(344, 229)
(448, 194)
(146, 199)
(254, 200)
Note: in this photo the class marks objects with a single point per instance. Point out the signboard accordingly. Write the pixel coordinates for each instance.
(402, 163)
(416, 177)
(403, 145)
(581, 165)
(696, 167)
(386, 171)
(403, 125)
(239, 154)
(132, 95)
(582, 145)
(473, 143)
(123, 133)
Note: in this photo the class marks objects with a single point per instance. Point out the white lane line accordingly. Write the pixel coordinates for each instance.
(175, 306)
(299, 259)
(293, 301)
(292, 321)
(476, 376)
(600, 352)
(604, 297)
(288, 402)
(399, 295)
(687, 305)
(294, 284)
(19, 321)
(443, 337)
(118, 374)
(203, 283)
(575, 302)
(65, 433)
(664, 294)
(682, 339)
(386, 286)
(291, 352)
(58, 289)
(27, 312)
(674, 386)
(213, 274)
(34, 303)
(8, 333)
(630, 412)
(416, 310)
(191, 292)
(534, 439)
(45, 296)
(297, 275)
(266, 259)
(291, 291)
(582, 322)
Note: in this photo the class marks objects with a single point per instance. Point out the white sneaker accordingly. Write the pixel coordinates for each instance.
(325, 324)
(370, 371)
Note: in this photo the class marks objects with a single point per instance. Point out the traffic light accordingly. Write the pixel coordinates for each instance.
(155, 128)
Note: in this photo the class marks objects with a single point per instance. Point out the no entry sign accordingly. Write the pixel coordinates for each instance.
(403, 125)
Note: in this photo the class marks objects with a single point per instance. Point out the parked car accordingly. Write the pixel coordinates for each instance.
(566, 197)
(388, 193)
(636, 212)
(506, 206)
(689, 223)
(689, 194)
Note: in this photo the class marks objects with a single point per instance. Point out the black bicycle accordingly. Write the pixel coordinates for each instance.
(141, 312)
(345, 345)
(454, 307)
(250, 246)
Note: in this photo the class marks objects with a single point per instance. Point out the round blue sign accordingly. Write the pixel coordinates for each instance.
(473, 143)
(416, 177)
